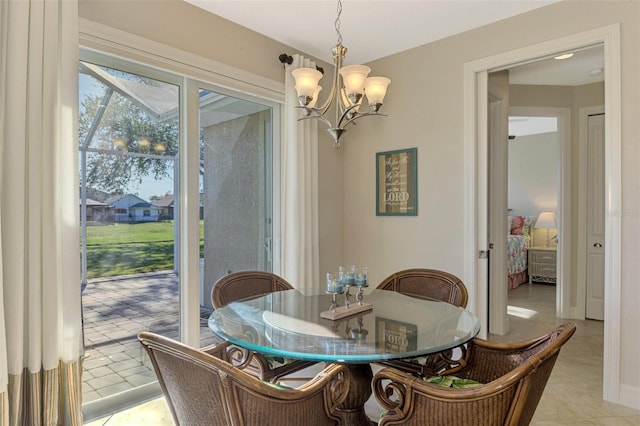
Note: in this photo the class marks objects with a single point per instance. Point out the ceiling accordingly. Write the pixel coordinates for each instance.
(584, 67)
(373, 29)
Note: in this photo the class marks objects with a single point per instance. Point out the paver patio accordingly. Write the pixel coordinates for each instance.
(115, 310)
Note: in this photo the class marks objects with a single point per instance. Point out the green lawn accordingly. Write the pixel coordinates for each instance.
(129, 248)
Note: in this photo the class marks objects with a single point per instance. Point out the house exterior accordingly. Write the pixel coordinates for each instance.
(166, 207)
(425, 108)
(131, 208)
(144, 212)
(98, 212)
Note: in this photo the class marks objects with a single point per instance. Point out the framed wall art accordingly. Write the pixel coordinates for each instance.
(397, 183)
(396, 336)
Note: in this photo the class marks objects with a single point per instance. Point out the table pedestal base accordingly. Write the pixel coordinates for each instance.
(352, 410)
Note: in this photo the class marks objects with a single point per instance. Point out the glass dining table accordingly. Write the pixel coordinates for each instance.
(385, 325)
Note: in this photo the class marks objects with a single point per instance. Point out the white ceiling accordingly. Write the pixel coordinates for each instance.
(584, 67)
(373, 29)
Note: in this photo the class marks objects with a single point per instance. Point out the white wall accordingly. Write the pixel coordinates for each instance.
(533, 174)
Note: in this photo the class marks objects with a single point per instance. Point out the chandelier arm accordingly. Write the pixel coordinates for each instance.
(348, 114)
(317, 115)
(338, 56)
(364, 114)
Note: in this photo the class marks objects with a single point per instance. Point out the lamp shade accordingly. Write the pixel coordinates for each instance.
(546, 220)
(315, 97)
(306, 81)
(353, 78)
(375, 88)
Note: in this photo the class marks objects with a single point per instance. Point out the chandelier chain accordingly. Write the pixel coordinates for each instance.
(337, 23)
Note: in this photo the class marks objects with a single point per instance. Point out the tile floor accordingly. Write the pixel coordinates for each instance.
(572, 396)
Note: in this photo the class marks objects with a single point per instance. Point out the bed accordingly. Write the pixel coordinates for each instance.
(520, 230)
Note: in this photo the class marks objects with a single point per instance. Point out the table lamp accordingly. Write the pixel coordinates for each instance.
(546, 220)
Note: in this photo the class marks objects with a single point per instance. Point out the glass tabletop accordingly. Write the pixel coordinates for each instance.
(289, 324)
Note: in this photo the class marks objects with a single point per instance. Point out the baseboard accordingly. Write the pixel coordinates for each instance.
(630, 396)
(121, 401)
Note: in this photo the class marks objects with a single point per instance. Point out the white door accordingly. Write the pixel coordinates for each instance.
(595, 218)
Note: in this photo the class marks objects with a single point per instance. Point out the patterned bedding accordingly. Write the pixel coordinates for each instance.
(517, 246)
(519, 240)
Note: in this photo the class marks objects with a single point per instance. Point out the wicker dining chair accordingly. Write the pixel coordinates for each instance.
(201, 388)
(242, 285)
(512, 378)
(430, 284)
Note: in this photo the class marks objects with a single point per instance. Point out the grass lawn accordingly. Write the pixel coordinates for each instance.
(130, 248)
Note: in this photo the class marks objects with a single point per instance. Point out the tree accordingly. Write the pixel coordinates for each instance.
(132, 144)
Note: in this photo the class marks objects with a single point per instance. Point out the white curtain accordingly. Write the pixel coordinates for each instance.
(300, 247)
(41, 335)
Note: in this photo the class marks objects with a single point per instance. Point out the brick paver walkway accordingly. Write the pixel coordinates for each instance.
(115, 310)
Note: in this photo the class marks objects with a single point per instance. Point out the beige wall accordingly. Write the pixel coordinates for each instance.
(179, 24)
(425, 108)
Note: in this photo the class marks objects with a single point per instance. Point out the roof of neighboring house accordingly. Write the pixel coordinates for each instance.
(144, 205)
(93, 203)
(166, 201)
(115, 198)
(97, 195)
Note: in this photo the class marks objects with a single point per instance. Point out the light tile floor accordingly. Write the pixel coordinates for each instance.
(573, 395)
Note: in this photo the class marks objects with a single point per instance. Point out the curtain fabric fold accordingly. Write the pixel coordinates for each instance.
(300, 246)
(41, 336)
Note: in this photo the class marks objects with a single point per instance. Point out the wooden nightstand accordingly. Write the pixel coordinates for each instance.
(542, 264)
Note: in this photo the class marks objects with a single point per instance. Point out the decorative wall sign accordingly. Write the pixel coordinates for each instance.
(397, 183)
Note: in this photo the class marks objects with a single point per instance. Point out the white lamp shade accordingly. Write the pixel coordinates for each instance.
(376, 88)
(353, 78)
(306, 81)
(546, 220)
(315, 97)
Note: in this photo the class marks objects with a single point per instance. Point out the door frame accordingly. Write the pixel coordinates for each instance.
(475, 148)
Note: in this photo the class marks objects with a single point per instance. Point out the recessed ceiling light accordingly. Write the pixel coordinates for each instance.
(565, 56)
(596, 72)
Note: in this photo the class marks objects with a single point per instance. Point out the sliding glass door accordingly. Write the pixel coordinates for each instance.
(129, 135)
(133, 211)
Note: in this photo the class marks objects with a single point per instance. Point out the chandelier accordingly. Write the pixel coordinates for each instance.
(350, 85)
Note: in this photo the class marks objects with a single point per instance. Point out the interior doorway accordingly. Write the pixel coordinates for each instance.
(537, 139)
(539, 90)
(477, 244)
(529, 175)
